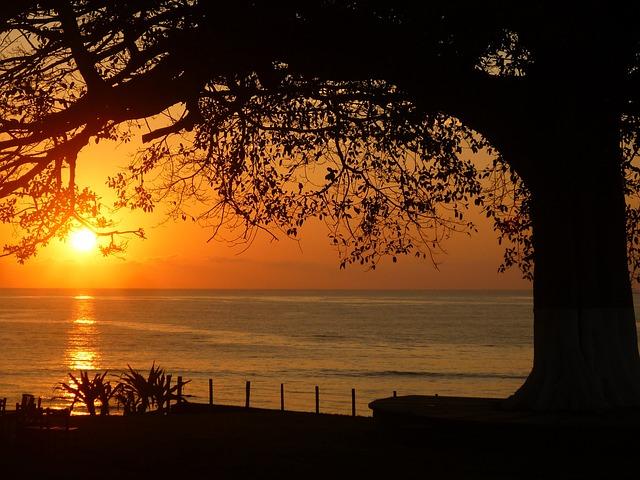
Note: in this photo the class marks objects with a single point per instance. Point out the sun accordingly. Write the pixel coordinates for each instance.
(83, 240)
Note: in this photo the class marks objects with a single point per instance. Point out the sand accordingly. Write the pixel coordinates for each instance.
(238, 443)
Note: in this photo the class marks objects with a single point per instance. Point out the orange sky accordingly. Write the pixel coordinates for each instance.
(176, 255)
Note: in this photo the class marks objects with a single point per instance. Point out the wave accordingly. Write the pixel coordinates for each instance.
(409, 373)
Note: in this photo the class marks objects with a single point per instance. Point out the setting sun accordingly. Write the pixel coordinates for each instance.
(83, 240)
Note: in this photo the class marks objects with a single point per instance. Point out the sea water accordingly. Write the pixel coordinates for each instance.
(475, 343)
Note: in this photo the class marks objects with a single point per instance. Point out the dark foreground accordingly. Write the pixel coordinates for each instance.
(238, 443)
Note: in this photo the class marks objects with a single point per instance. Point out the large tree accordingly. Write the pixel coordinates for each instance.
(367, 115)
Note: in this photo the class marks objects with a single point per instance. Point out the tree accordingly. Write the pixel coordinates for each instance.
(364, 114)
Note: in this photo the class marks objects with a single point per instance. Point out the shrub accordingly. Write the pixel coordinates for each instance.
(138, 394)
(88, 390)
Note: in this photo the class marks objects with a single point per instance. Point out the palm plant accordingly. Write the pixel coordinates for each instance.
(138, 394)
(88, 390)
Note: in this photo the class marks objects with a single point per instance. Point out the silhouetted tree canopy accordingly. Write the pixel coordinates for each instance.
(364, 114)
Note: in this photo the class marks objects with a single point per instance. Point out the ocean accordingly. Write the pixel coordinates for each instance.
(469, 343)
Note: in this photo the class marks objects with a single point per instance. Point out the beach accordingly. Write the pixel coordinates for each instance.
(231, 442)
(463, 343)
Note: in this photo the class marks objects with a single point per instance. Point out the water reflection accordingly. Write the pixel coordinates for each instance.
(83, 297)
(82, 352)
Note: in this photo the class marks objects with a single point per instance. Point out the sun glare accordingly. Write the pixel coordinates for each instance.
(83, 240)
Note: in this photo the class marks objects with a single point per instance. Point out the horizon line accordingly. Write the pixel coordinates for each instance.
(270, 289)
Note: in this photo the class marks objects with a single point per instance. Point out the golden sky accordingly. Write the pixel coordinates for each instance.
(177, 255)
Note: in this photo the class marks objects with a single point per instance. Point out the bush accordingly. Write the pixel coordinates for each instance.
(136, 393)
(88, 390)
(139, 394)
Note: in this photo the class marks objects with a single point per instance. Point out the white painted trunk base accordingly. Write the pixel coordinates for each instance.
(584, 360)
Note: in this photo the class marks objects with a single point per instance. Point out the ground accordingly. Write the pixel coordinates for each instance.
(236, 443)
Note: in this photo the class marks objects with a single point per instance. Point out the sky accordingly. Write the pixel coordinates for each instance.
(177, 255)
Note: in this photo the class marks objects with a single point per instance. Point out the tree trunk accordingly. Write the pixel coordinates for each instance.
(585, 341)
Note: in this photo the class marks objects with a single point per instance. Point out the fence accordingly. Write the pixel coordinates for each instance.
(277, 396)
(315, 398)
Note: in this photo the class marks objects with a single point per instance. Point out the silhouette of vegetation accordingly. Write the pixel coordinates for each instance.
(138, 393)
(264, 121)
(88, 391)
(135, 392)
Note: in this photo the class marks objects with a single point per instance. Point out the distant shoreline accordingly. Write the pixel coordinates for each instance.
(279, 290)
(329, 290)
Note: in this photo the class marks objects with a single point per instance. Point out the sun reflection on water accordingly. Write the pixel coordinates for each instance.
(84, 321)
(82, 352)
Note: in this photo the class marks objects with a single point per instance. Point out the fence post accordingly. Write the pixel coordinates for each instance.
(395, 394)
(248, 394)
(211, 391)
(353, 402)
(282, 397)
(317, 399)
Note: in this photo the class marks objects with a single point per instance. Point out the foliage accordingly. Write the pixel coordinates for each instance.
(385, 180)
(506, 203)
(133, 390)
(88, 390)
(377, 140)
(138, 394)
(631, 169)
